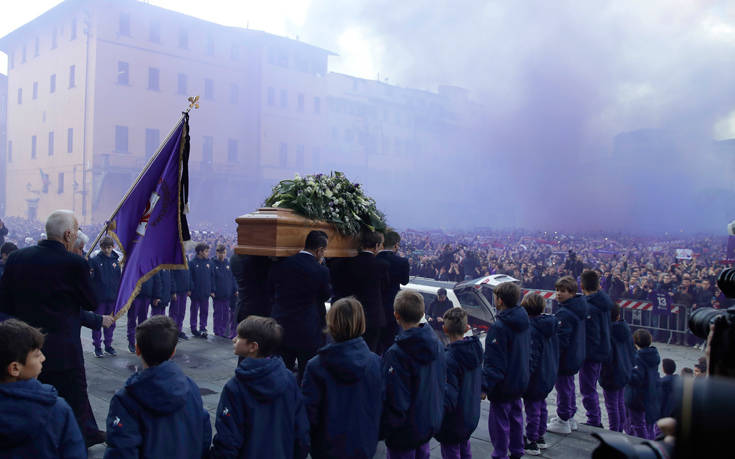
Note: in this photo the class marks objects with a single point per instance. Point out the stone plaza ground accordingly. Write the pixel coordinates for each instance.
(210, 363)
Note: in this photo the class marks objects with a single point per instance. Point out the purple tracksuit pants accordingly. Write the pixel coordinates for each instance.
(104, 309)
(615, 409)
(589, 374)
(422, 452)
(638, 424)
(159, 310)
(456, 451)
(221, 317)
(505, 425)
(198, 307)
(137, 314)
(566, 401)
(177, 310)
(536, 417)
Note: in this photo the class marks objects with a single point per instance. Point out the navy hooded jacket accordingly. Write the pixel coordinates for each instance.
(224, 281)
(463, 391)
(615, 373)
(163, 287)
(668, 382)
(36, 422)
(181, 280)
(597, 328)
(146, 290)
(105, 276)
(507, 356)
(159, 413)
(643, 390)
(343, 392)
(414, 369)
(570, 322)
(261, 413)
(202, 278)
(544, 357)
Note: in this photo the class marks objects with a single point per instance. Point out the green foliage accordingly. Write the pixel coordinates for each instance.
(331, 198)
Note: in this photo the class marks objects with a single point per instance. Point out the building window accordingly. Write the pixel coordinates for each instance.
(74, 29)
(11, 61)
(72, 81)
(208, 149)
(271, 96)
(35, 89)
(70, 140)
(121, 139)
(124, 24)
(35, 47)
(232, 150)
(153, 79)
(52, 84)
(208, 88)
(209, 47)
(10, 151)
(234, 93)
(181, 84)
(154, 34)
(53, 38)
(284, 98)
(61, 183)
(20, 96)
(183, 39)
(317, 105)
(299, 156)
(123, 73)
(34, 143)
(152, 139)
(301, 102)
(283, 155)
(51, 143)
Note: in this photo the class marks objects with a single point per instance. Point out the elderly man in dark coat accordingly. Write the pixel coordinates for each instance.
(47, 287)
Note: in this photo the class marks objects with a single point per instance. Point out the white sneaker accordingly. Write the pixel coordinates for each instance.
(573, 424)
(558, 425)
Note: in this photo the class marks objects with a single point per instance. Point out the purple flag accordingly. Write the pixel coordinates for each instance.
(150, 226)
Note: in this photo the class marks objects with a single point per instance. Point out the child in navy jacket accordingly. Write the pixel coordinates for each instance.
(570, 322)
(615, 373)
(506, 371)
(668, 381)
(34, 420)
(416, 360)
(463, 389)
(642, 394)
(543, 368)
(261, 410)
(159, 412)
(343, 388)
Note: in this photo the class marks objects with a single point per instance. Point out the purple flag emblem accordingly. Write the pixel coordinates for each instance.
(149, 225)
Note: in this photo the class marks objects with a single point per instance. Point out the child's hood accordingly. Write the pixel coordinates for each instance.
(24, 410)
(545, 323)
(577, 305)
(650, 357)
(515, 318)
(601, 301)
(466, 352)
(420, 343)
(263, 377)
(161, 389)
(620, 331)
(347, 361)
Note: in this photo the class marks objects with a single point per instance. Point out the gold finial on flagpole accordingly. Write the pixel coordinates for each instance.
(193, 103)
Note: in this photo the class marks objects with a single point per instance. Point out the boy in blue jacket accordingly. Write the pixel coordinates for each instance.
(597, 333)
(615, 373)
(181, 281)
(463, 389)
(668, 382)
(202, 288)
(261, 411)
(416, 360)
(543, 368)
(138, 312)
(106, 273)
(163, 292)
(570, 322)
(506, 371)
(34, 420)
(642, 394)
(159, 412)
(343, 388)
(224, 290)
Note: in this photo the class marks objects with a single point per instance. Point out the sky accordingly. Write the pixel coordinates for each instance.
(561, 80)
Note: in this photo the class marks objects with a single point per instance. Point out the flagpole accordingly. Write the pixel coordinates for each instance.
(130, 190)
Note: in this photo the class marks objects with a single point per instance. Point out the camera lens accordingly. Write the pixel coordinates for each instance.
(726, 282)
(700, 320)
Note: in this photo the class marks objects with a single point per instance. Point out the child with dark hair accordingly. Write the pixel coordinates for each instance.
(572, 351)
(642, 394)
(687, 372)
(158, 404)
(201, 271)
(34, 420)
(668, 381)
(543, 368)
(343, 388)
(463, 388)
(615, 373)
(506, 371)
(261, 411)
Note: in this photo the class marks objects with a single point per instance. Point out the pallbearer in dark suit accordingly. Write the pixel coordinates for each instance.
(300, 286)
(398, 269)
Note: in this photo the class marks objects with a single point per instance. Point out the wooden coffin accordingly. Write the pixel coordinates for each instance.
(276, 232)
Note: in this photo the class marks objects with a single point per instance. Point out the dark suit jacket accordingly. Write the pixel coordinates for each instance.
(364, 277)
(300, 286)
(251, 275)
(398, 269)
(47, 287)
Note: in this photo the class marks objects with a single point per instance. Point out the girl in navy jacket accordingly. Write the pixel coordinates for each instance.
(343, 387)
